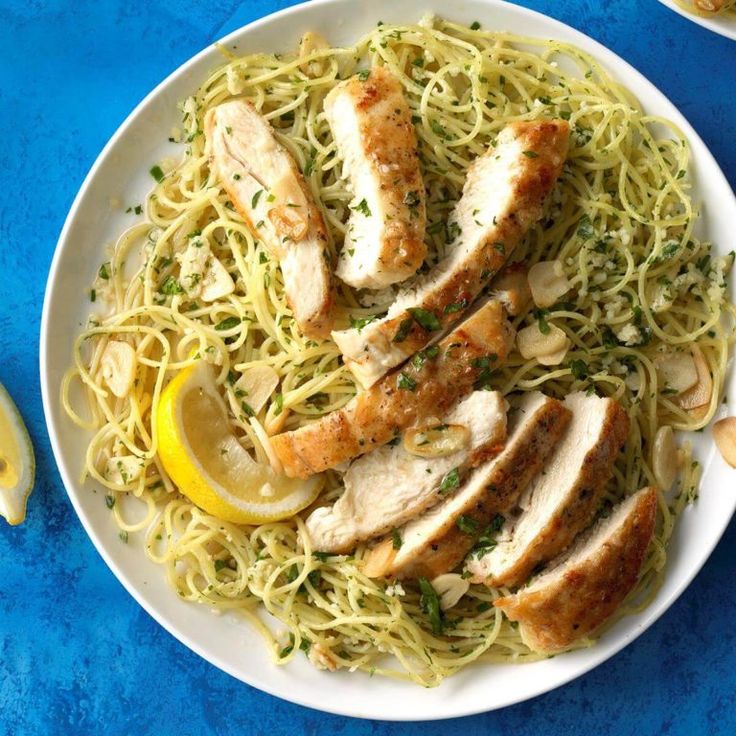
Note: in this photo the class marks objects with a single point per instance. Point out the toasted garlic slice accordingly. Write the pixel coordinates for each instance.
(123, 470)
(511, 288)
(202, 274)
(724, 433)
(532, 342)
(547, 282)
(258, 383)
(555, 358)
(309, 43)
(436, 440)
(289, 222)
(118, 365)
(216, 282)
(450, 587)
(677, 371)
(699, 395)
(665, 458)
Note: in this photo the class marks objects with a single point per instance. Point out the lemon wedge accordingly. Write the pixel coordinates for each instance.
(207, 463)
(17, 462)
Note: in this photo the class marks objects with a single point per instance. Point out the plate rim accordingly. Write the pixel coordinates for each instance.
(715, 25)
(646, 619)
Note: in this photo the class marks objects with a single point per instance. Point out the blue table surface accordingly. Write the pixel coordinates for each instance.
(77, 654)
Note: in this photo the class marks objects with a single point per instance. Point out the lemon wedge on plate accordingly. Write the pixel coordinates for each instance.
(199, 451)
(17, 462)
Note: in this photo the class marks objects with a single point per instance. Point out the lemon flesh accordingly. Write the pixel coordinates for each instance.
(203, 457)
(17, 462)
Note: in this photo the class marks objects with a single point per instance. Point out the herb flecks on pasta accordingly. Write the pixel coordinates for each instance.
(621, 222)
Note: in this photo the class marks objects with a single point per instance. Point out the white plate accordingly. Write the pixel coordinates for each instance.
(725, 25)
(122, 171)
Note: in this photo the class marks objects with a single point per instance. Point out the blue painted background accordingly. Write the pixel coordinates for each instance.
(77, 654)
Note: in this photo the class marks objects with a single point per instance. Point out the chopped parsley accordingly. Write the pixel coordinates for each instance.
(540, 315)
(585, 228)
(425, 319)
(475, 26)
(363, 208)
(157, 173)
(171, 287)
(406, 382)
(363, 74)
(256, 197)
(403, 331)
(396, 540)
(456, 306)
(429, 602)
(467, 524)
(579, 369)
(450, 481)
(360, 322)
(228, 323)
(104, 272)
(109, 501)
(531, 154)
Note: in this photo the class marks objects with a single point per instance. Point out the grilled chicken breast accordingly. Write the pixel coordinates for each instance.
(428, 387)
(584, 588)
(389, 486)
(270, 194)
(562, 501)
(502, 198)
(371, 122)
(437, 541)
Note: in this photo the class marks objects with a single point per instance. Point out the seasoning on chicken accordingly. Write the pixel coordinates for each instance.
(503, 197)
(270, 194)
(391, 485)
(438, 541)
(427, 387)
(562, 501)
(584, 588)
(371, 122)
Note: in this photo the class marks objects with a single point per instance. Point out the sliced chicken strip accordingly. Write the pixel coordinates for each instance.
(562, 501)
(428, 387)
(371, 122)
(437, 541)
(584, 588)
(502, 198)
(389, 486)
(270, 194)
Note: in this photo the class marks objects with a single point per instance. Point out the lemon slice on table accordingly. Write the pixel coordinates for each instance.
(17, 462)
(199, 451)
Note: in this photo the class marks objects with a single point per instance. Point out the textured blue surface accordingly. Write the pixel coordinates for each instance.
(77, 654)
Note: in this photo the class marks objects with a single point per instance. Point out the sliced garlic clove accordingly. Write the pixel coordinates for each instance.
(257, 383)
(554, 358)
(724, 434)
(310, 43)
(677, 371)
(216, 282)
(290, 222)
(665, 458)
(450, 587)
(124, 469)
(532, 342)
(547, 282)
(436, 440)
(511, 288)
(700, 394)
(118, 364)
